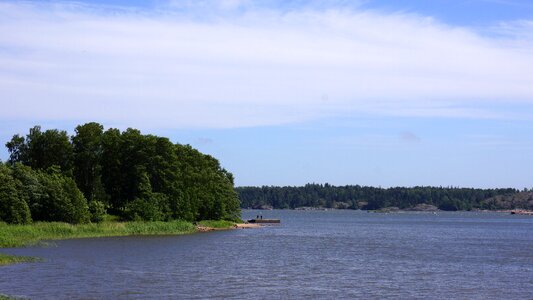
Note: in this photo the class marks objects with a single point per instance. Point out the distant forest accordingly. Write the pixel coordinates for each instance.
(51, 176)
(373, 198)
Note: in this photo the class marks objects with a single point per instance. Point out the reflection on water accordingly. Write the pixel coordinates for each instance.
(312, 254)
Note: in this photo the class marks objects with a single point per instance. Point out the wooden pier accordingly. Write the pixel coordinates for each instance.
(266, 221)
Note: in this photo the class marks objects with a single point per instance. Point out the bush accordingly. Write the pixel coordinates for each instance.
(154, 207)
(97, 209)
(77, 210)
(143, 210)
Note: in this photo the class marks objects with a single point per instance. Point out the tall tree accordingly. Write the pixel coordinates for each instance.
(111, 168)
(18, 151)
(41, 150)
(87, 151)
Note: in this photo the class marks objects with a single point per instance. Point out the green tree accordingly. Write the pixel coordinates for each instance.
(87, 151)
(18, 151)
(207, 188)
(29, 184)
(111, 163)
(13, 208)
(52, 196)
(41, 150)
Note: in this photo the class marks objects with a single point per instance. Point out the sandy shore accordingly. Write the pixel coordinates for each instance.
(247, 225)
(236, 226)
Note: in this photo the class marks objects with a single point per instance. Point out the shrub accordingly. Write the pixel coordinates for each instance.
(142, 210)
(97, 209)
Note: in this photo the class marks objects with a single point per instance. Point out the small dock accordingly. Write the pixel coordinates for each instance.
(265, 221)
(521, 212)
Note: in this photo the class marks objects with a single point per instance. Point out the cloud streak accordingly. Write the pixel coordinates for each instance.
(252, 66)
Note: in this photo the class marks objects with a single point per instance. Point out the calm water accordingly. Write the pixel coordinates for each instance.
(332, 254)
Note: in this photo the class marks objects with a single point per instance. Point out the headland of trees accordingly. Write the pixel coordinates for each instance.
(108, 182)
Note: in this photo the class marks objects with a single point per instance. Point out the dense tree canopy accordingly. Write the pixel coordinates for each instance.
(363, 197)
(41, 150)
(135, 176)
(87, 152)
(13, 207)
(41, 196)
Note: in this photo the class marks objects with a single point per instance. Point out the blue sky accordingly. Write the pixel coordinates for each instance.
(381, 93)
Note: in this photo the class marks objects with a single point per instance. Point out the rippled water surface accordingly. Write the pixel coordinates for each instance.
(315, 254)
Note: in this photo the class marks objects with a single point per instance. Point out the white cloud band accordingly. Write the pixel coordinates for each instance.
(254, 67)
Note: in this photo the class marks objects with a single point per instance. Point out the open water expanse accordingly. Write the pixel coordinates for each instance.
(312, 254)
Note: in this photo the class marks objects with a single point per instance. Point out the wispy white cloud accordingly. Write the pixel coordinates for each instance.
(253, 66)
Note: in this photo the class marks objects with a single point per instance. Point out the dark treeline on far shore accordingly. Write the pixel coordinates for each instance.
(372, 198)
(51, 176)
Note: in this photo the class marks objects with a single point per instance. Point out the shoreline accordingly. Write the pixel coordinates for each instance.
(12, 236)
(394, 209)
(235, 226)
(39, 233)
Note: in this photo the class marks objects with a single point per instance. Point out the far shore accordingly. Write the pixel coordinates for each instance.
(396, 209)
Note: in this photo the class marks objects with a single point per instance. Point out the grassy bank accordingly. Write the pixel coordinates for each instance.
(24, 235)
(32, 234)
(219, 224)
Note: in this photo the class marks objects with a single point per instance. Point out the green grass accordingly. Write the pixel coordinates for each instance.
(6, 297)
(25, 235)
(216, 224)
(11, 259)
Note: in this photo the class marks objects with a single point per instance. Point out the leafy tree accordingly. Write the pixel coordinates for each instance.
(18, 151)
(50, 195)
(87, 150)
(207, 188)
(13, 208)
(111, 163)
(30, 186)
(62, 200)
(41, 150)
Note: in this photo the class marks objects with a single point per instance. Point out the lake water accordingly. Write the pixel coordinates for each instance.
(312, 254)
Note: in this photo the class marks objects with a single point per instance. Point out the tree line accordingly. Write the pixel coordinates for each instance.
(51, 176)
(369, 198)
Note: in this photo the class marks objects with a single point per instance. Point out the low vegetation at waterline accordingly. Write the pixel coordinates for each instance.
(216, 224)
(12, 259)
(20, 235)
(31, 234)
